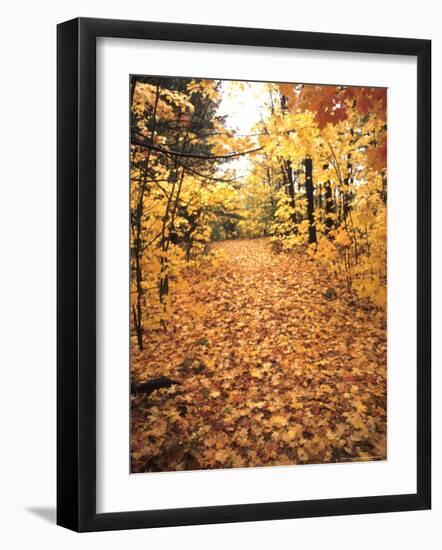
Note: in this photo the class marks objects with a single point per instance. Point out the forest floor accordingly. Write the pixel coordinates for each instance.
(277, 364)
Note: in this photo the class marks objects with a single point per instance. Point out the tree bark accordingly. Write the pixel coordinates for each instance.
(329, 207)
(309, 191)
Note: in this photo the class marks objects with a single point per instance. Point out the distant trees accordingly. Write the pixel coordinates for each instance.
(329, 143)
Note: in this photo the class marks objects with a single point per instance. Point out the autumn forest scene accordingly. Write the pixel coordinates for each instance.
(258, 274)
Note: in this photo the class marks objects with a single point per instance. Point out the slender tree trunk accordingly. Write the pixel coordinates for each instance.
(384, 189)
(288, 172)
(138, 279)
(133, 84)
(329, 207)
(319, 197)
(136, 326)
(309, 191)
(138, 223)
(291, 183)
(346, 196)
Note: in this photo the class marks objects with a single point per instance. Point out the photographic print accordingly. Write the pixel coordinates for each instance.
(258, 273)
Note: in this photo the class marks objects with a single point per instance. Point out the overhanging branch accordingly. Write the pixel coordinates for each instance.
(141, 142)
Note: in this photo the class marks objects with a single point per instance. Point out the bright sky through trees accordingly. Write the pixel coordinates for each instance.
(243, 106)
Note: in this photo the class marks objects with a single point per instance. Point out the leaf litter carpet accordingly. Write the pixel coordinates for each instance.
(277, 364)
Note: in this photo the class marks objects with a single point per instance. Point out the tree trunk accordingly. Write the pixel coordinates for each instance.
(138, 332)
(309, 191)
(138, 223)
(138, 320)
(329, 207)
(346, 191)
(291, 183)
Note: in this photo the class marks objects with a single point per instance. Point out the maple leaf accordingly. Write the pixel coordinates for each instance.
(291, 433)
(357, 421)
(279, 420)
(256, 373)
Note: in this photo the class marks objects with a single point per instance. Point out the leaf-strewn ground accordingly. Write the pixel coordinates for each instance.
(277, 365)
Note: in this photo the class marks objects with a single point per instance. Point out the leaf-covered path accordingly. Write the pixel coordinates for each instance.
(276, 365)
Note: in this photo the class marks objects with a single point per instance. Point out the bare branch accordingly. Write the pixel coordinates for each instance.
(142, 142)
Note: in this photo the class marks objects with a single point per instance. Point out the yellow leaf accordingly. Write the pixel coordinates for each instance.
(278, 420)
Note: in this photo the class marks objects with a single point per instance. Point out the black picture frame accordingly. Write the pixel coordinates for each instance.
(77, 286)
